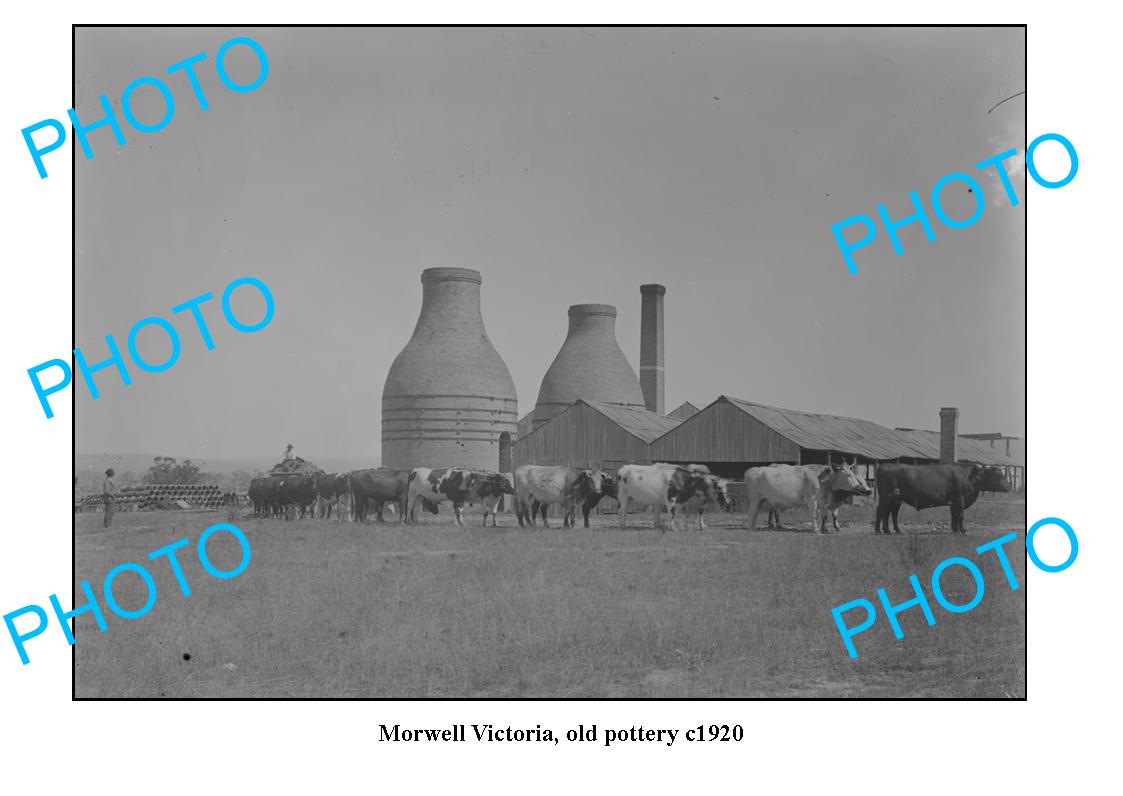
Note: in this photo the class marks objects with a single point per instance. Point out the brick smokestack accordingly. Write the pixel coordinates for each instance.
(651, 347)
(949, 435)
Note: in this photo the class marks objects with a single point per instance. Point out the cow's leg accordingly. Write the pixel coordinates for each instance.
(701, 520)
(413, 509)
(895, 511)
(624, 501)
(457, 510)
(834, 519)
(956, 518)
(544, 508)
(585, 510)
(754, 509)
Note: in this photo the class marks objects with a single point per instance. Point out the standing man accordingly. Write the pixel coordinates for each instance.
(288, 455)
(108, 495)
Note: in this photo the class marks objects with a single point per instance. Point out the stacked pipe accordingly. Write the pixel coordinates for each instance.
(147, 496)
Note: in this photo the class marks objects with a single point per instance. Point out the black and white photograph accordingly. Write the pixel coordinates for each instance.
(549, 363)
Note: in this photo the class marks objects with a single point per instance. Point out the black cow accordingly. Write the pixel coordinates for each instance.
(263, 493)
(298, 491)
(700, 492)
(586, 493)
(374, 488)
(923, 486)
(257, 492)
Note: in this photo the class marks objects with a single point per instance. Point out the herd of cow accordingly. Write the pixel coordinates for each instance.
(678, 489)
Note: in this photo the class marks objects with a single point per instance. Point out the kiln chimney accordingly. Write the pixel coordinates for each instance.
(448, 399)
(949, 435)
(651, 347)
(590, 365)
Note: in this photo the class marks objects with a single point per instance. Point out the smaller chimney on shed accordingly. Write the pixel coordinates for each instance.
(651, 347)
(949, 435)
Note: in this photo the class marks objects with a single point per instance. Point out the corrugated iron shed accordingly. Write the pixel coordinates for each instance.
(808, 431)
(591, 433)
(848, 435)
(970, 450)
(684, 411)
(641, 423)
(525, 425)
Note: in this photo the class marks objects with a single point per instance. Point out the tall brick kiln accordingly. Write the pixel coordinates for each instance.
(590, 365)
(449, 398)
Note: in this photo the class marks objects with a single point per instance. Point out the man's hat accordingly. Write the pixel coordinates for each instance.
(109, 471)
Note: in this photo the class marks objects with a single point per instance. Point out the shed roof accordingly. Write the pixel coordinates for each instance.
(970, 450)
(685, 411)
(859, 437)
(641, 423)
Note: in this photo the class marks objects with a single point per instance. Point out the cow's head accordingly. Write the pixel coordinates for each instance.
(721, 492)
(989, 479)
(840, 478)
(609, 483)
(594, 481)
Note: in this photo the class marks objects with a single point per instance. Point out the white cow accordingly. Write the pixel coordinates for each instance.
(661, 486)
(817, 487)
(537, 487)
(437, 486)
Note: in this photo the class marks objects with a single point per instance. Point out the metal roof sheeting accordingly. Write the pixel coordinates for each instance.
(685, 411)
(970, 450)
(856, 437)
(641, 423)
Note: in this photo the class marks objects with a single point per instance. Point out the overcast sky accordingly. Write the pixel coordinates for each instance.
(568, 166)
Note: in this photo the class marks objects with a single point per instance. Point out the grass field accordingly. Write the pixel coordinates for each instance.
(344, 610)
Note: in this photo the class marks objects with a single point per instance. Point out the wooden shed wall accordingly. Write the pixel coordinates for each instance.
(723, 433)
(581, 436)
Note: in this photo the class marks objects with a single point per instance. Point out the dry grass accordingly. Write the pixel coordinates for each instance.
(331, 611)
